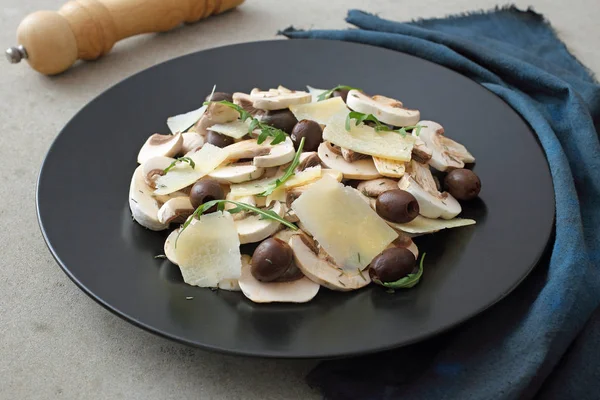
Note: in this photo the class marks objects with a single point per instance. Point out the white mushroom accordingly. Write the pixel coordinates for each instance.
(216, 113)
(298, 291)
(390, 168)
(351, 155)
(361, 169)
(278, 99)
(265, 155)
(279, 154)
(144, 208)
(446, 153)
(432, 204)
(236, 173)
(406, 242)
(175, 210)
(252, 228)
(319, 270)
(192, 141)
(389, 111)
(155, 167)
(160, 145)
(375, 187)
(308, 159)
(245, 101)
(420, 151)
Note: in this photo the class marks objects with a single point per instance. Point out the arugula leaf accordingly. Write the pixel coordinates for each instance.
(289, 172)
(180, 159)
(379, 126)
(408, 281)
(327, 94)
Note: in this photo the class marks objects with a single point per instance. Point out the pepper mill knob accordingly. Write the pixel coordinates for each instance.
(16, 54)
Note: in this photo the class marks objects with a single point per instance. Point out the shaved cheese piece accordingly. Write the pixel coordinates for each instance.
(335, 174)
(182, 122)
(315, 93)
(208, 251)
(259, 186)
(344, 225)
(303, 177)
(391, 168)
(236, 129)
(320, 112)
(183, 175)
(277, 195)
(422, 225)
(364, 139)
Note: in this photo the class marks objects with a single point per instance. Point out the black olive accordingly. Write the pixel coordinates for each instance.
(397, 206)
(271, 260)
(280, 119)
(310, 131)
(343, 93)
(463, 184)
(218, 140)
(392, 264)
(220, 96)
(206, 190)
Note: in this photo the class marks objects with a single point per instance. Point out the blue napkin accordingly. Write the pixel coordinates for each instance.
(543, 340)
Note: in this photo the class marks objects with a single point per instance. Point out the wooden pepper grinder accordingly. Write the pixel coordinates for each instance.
(87, 29)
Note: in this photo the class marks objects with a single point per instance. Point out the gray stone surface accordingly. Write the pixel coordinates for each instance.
(55, 342)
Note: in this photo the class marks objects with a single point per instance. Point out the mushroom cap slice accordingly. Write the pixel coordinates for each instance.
(175, 210)
(155, 167)
(298, 291)
(192, 141)
(215, 113)
(361, 169)
(351, 155)
(278, 99)
(237, 173)
(160, 145)
(446, 153)
(405, 241)
(253, 229)
(387, 110)
(390, 168)
(431, 205)
(375, 187)
(279, 154)
(323, 272)
(421, 152)
(144, 207)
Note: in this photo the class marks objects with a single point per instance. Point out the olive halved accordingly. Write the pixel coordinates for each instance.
(392, 265)
(463, 184)
(206, 190)
(217, 139)
(220, 96)
(271, 260)
(397, 206)
(280, 119)
(312, 133)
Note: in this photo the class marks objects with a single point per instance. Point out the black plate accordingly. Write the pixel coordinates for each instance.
(83, 208)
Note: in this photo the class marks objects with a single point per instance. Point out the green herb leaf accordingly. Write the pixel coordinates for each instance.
(408, 281)
(180, 159)
(360, 273)
(289, 172)
(327, 94)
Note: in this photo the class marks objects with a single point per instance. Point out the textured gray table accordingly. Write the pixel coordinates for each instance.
(55, 342)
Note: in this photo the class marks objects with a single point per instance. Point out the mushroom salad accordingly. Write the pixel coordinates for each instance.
(332, 185)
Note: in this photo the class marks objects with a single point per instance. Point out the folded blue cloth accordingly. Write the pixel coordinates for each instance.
(531, 343)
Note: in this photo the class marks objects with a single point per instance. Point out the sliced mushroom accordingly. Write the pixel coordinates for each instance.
(160, 145)
(144, 208)
(175, 210)
(375, 187)
(245, 101)
(252, 228)
(420, 152)
(361, 169)
(192, 141)
(279, 154)
(155, 167)
(351, 155)
(246, 149)
(278, 99)
(238, 216)
(432, 204)
(405, 242)
(216, 113)
(308, 159)
(236, 173)
(387, 110)
(264, 154)
(390, 168)
(297, 291)
(323, 272)
(446, 153)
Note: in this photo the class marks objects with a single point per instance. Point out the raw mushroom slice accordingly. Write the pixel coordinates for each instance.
(432, 204)
(250, 200)
(245, 101)
(279, 154)
(252, 228)
(446, 153)
(144, 208)
(160, 145)
(277, 99)
(390, 168)
(420, 152)
(155, 167)
(406, 242)
(192, 142)
(176, 210)
(215, 113)
(264, 154)
(351, 155)
(237, 173)
(387, 110)
(362, 169)
(375, 187)
(246, 149)
(301, 290)
(308, 159)
(323, 272)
